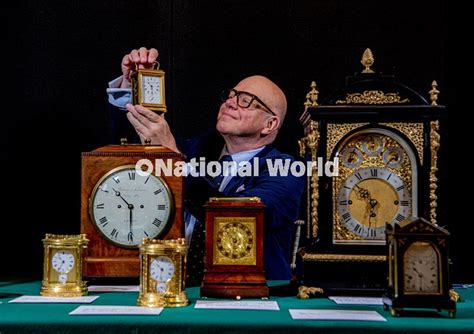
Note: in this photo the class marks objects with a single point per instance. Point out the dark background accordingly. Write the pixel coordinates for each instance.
(59, 55)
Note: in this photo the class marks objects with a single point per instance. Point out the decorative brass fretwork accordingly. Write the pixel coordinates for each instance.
(434, 93)
(311, 141)
(414, 132)
(343, 257)
(434, 147)
(336, 132)
(312, 97)
(367, 61)
(373, 97)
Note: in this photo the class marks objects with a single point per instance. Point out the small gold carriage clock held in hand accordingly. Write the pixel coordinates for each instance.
(62, 269)
(162, 273)
(148, 88)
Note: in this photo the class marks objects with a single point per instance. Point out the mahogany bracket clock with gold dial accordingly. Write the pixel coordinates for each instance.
(418, 267)
(234, 249)
(120, 207)
(384, 138)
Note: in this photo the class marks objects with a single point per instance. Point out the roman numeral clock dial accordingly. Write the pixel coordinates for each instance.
(369, 199)
(127, 207)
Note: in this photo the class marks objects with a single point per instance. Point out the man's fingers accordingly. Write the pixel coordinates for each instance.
(147, 113)
(143, 53)
(152, 55)
(135, 57)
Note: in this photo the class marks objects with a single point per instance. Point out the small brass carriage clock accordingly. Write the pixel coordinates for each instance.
(148, 88)
(62, 270)
(162, 273)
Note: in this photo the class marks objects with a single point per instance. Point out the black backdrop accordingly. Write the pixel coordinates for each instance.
(59, 55)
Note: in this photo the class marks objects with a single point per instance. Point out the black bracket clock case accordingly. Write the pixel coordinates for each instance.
(385, 137)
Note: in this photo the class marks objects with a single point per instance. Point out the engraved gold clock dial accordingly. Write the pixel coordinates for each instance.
(371, 198)
(235, 241)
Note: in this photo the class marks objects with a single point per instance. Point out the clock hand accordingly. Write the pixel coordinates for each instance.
(362, 192)
(130, 234)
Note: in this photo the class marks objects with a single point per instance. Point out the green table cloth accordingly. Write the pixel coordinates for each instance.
(55, 318)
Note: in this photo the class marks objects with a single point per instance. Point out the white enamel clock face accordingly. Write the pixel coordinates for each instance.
(371, 197)
(162, 270)
(420, 268)
(63, 262)
(127, 207)
(151, 89)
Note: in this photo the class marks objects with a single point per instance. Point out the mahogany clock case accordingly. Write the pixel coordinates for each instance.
(105, 259)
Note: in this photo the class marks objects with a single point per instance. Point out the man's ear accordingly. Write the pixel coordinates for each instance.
(272, 125)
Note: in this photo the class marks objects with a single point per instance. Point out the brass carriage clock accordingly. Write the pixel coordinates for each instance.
(162, 273)
(148, 88)
(418, 267)
(62, 267)
(384, 138)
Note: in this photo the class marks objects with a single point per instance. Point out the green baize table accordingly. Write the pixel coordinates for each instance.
(55, 318)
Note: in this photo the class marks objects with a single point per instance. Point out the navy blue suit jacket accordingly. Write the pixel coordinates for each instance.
(280, 194)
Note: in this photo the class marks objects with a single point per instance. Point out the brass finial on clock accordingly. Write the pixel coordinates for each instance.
(123, 141)
(312, 96)
(434, 93)
(367, 61)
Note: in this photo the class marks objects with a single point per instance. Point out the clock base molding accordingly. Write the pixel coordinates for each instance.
(232, 285)
(112, 267)
(398, 305)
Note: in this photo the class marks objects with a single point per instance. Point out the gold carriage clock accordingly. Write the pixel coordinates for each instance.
(384, 138)
(62, 270)
(162, 273)
(148, 88)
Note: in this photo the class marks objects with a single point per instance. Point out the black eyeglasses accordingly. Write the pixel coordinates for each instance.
(244, 99)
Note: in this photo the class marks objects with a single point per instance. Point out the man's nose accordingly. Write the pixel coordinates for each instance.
(231, 102)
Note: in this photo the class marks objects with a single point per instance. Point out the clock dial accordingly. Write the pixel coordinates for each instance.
(371, 197)
(420, 267)
(393, 157)
(63, 262)
(152, 89)
(352, 157)
(127, 207)
(372, 145)
(162, 269)
(234, 240)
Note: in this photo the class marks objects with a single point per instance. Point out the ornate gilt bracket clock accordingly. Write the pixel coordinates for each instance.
(418, 267)
(385, 138)
(148, 88)
(62, 265)
(162, 273)
(120, 207)
(234, 248)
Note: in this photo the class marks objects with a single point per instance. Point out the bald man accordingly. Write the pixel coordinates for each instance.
(249, 118)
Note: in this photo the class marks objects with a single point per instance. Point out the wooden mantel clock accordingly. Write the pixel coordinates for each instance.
(418, 267)
(234, 249)
(384, 137)
(120, 207)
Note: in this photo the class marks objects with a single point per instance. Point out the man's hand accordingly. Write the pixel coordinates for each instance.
(142, 57)
(150, 125)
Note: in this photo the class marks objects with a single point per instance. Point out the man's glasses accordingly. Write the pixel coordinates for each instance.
(244, 99)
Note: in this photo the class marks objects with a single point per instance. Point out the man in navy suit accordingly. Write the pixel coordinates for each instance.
(248, 122)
